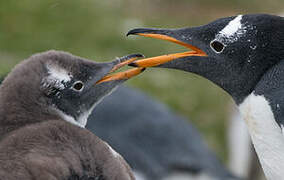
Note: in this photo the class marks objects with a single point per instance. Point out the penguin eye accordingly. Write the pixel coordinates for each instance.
(217, 46)
(78, 86)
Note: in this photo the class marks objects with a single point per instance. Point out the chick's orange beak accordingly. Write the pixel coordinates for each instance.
(125, 74)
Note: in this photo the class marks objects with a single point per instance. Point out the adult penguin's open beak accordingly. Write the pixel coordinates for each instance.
(178, 36)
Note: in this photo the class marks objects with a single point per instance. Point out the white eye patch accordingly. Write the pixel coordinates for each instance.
(233, 31)
(58, 73)
(234, 27)
(57, 76)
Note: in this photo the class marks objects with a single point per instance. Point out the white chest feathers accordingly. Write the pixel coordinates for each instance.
(266, 135)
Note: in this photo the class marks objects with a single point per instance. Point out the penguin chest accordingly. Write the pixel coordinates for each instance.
(266, 134)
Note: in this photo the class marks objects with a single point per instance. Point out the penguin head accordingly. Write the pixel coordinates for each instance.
(58, 84)
(233, 52)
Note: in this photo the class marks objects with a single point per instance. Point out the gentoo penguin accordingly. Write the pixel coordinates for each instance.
(120, 124)
(181, 152)
(244, 55)
(44, 105)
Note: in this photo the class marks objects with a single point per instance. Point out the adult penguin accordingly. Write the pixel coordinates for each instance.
(243, 55)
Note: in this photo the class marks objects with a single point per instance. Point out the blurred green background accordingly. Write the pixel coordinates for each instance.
(96, 29)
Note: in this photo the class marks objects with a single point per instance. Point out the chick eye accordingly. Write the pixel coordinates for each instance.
(78, 86)
(217, 46)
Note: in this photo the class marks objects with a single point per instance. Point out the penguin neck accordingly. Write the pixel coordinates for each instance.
(226, 75)
(262, 112)
(18, 110)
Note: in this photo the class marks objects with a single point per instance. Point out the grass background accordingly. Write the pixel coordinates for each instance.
(96, 29)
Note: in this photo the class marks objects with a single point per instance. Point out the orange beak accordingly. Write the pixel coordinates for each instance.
(123, 75)
(158, 60)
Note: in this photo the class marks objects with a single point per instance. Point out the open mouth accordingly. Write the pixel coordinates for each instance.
(158, 60)
(126, 60)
